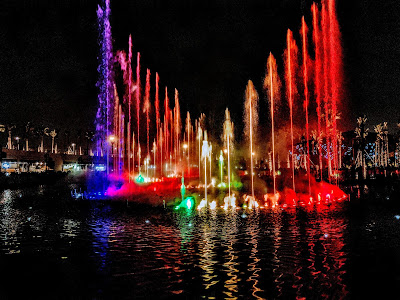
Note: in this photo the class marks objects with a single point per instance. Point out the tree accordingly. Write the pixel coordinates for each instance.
(27, 133)
(89, 138)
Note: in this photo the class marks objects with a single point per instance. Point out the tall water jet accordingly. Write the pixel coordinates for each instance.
(251, 123)
(272, 86)
(171, 135)
(205, 154)
(228, 144)
(138, 107)
(129, 129)
(118, 133)
(161, 147)
(221, 168)
(166, 122)
(104, 114)
(188, 129)
(146, 109)
(335, 73)
(115, 138)
(304, 31)
(199, 135)
(157, 109)
(318, 79)
(290, 78)
(327, 108)
(177, 129)
(154, 156)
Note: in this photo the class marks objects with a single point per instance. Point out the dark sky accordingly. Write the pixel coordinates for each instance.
(206, 49)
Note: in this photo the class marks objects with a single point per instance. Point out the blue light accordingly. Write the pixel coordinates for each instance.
(100, 168)
(6, 165)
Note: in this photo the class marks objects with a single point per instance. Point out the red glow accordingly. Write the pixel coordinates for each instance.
(290, 71)
(304, 31)
(318, 76)
(138, 102)
(157, 108)
(323, 192)
(147, 109)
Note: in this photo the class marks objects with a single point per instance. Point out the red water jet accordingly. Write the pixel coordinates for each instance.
(304, 31)
(291, 65)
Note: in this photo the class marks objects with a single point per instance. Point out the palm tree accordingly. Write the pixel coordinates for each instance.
(79, 140)
(67, 134)
(27, 134)
(10, 128)
(53, 134)
(89, 138)
(41, 131)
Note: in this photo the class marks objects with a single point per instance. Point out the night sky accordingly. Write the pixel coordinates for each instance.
(206, 49)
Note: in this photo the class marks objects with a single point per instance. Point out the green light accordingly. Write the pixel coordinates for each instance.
(183, 189)
(187, 203)
(139, 179)
(237, 184)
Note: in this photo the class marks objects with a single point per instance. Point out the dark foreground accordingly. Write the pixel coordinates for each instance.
(52, 247)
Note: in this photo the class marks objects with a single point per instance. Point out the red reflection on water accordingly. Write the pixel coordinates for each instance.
(322, 193)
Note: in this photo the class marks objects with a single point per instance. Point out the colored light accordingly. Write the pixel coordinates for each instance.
(187, 203)
(202, 204)
(213, 204)
(140, 179)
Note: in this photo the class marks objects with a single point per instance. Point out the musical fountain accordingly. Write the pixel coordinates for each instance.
(174, 153)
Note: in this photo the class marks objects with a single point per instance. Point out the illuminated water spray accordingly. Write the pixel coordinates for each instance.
(221, 166)
(199, 136)
(157, 109)
(188, 130)
(146, 109)
(177, 130)
(272, 85)
(138, 107)
(318, 79)
(205, 154)
(306, 100)
(228, 143)
(251, 122)
(166, 123)
(104, 114)
(326, 81)
(129, 129)
(335, 73)
(290, 77)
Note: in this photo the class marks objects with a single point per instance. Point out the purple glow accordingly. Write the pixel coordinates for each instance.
(105, 83)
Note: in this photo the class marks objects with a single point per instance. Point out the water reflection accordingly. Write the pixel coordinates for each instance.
(253, 231)
(9, 218)
(208, 233)
(126, 252)
(229, 240)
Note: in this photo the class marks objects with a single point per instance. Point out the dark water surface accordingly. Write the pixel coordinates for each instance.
(53, 247)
